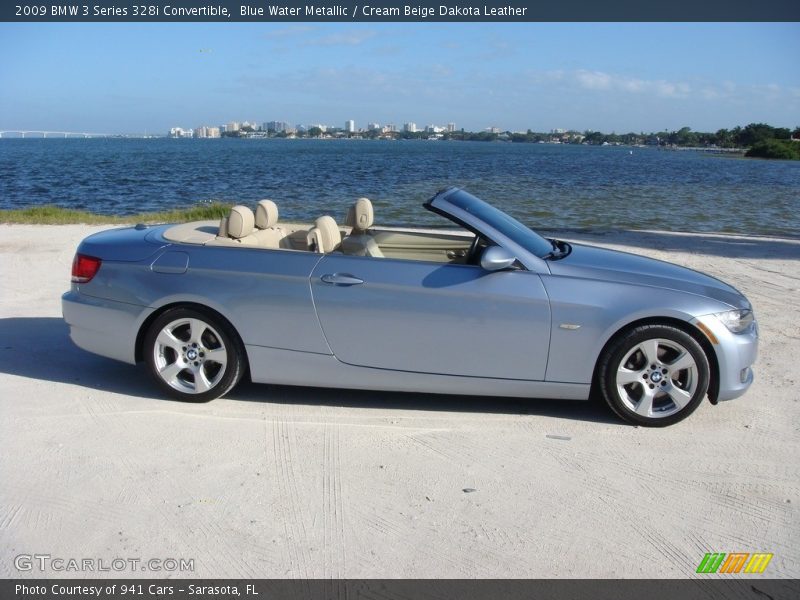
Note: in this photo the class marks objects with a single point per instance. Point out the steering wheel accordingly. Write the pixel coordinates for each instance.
(472, 253)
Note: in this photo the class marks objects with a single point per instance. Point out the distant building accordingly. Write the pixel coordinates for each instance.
(179, 132)
(434, 129)
(410, 127)
(350, 126)
(232, 126)
(277, 127)
(374, 127)
(206, 132)
(390, 128)
(493, 129)
(451, 127)
(558, 131)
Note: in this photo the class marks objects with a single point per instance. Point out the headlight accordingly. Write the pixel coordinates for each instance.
(737, 321)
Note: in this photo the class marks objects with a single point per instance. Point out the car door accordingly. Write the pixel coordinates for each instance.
(431, 317)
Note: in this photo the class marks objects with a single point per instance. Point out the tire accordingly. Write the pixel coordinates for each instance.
(192, 355)
(654, 375)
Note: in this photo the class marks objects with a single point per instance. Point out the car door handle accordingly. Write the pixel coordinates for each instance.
(344, 279)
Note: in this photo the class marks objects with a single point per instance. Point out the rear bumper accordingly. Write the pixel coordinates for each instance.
(736, 354)
(103, 327)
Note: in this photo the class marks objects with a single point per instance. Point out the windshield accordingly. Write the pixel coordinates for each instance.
(508, 226)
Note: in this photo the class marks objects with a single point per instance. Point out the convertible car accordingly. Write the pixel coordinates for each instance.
(491, 308)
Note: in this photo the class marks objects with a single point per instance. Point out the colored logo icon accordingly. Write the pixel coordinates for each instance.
(735, 562)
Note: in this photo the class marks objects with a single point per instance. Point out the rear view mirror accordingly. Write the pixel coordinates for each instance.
(495, 258)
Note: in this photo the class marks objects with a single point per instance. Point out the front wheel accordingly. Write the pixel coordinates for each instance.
(193, 356)
(654, 375)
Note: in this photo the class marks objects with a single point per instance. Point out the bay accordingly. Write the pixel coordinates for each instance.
(545, 185)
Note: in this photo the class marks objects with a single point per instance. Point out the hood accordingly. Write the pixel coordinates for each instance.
(590, 262)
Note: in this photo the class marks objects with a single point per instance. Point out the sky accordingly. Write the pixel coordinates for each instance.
(145, 77)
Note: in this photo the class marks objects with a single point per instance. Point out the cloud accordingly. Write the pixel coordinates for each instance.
(599, 80)
(593, 80)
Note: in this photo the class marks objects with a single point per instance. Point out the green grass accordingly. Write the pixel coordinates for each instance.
(50, 214)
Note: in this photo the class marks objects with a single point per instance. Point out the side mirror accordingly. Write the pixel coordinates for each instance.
(495, 258)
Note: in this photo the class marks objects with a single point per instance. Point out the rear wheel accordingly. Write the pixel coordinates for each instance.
(193, 356)
(654, 375)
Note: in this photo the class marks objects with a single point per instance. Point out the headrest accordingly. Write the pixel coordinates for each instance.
(326, 234)
(240, 222)
(266, 214)
(360, 215)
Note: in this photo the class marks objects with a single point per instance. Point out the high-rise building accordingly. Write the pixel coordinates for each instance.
(277, 126)
(451, 127)
(374, 127)
(410, 127)
(350, 126)
(206, 132)
(232, 126)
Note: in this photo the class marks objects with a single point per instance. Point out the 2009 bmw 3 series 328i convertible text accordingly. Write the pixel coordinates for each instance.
(489, 309)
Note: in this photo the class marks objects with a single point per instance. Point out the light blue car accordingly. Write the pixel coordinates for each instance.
(491, 308)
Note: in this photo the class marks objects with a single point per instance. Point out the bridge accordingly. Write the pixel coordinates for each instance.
(61, 134)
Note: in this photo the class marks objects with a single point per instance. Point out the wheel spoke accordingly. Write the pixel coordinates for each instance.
(196, 330)
(201, 382)
(684, 361)
(645, 405)
(650, 350)
(680, 397)
(218, 355)
(626, 376)
(168, 339)
(170, 372)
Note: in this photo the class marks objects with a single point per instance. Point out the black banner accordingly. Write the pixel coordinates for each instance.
(395, 11)
(711, 588)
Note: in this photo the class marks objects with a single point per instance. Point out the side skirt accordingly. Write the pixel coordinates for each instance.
(286, 367)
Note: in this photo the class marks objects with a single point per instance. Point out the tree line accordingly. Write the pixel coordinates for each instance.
(758, 139)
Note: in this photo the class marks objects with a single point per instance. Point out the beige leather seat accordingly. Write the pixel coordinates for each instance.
(325, 236)
(268, 234)
(238, 227)
(360, 241)
(223, 228)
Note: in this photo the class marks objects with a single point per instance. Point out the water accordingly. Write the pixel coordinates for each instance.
(546, 186)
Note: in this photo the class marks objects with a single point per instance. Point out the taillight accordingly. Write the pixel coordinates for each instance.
(84, 268)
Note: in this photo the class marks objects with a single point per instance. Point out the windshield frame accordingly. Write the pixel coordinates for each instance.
(504, 230)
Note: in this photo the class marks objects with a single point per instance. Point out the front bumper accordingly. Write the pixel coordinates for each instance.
(101, 326)
(736, 354)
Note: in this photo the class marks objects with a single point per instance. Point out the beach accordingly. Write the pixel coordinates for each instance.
(288, 482)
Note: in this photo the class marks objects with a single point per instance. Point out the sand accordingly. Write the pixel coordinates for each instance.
(298, 482)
